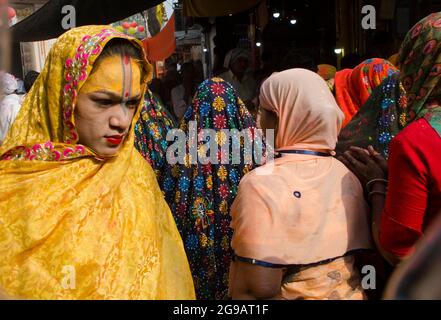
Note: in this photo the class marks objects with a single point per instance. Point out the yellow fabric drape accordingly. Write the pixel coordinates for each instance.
(73, 226)
(211, 8)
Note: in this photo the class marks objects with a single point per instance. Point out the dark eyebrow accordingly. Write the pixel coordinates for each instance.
(115, 96)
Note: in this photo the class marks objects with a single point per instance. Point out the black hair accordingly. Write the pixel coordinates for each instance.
(29, 79)
(118, 47)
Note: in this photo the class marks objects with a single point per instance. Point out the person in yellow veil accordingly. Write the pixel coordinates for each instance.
(81, 214)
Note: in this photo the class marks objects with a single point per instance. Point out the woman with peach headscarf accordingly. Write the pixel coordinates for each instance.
(81, 213)
(353, 87)
(299, 221)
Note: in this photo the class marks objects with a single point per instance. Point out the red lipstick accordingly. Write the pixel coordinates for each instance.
(115, 140)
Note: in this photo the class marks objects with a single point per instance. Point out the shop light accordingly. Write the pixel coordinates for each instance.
(205, 50)
(258, 44)
(276, 14)
(338, 51)
(293, 21)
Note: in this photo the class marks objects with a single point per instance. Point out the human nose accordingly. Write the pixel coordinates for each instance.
(121, 118)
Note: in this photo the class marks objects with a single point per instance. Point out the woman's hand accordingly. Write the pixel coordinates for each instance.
(379, 159)
(365, 164)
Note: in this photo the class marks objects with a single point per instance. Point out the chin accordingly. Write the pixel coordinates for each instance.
(107, 152)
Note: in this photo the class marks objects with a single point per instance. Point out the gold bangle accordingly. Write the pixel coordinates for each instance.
(373, 181)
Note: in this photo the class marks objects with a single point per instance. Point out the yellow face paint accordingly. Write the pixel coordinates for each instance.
(120, 75)
(107, 103)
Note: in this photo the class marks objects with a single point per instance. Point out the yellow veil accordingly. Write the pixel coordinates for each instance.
(73, 226)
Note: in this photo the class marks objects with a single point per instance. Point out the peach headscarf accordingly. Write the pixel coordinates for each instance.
(309, 117)
(310, 208)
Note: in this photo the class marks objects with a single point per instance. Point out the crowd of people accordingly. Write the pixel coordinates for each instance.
(348, 174)
(13, 93)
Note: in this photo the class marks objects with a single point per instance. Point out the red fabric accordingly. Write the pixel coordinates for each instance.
(162, 45)
(353, 87)
(414, 195)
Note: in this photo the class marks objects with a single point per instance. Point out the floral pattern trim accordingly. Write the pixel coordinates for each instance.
(44, 152)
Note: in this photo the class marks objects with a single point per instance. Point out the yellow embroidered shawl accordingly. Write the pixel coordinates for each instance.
(73, 226)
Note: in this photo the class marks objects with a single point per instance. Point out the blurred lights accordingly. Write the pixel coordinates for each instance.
(276, 15)
(293, 21)
(258, 44)
(338, 51)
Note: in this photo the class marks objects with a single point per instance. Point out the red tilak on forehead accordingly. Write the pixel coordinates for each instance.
(127, 74)
(126, 59)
